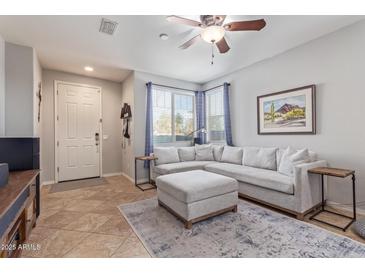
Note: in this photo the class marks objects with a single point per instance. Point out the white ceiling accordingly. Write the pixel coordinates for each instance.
(69, 43)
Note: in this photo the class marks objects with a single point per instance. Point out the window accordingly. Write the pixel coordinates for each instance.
(215, 115)
(173, 115)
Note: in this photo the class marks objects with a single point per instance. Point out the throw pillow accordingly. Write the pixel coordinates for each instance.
(290, 158)
(166, 155)
(186, 153)
(232, 155)
(217, 152)
(204, 153)
(260, 157)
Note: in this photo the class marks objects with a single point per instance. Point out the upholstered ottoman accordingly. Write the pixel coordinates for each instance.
(196, 195)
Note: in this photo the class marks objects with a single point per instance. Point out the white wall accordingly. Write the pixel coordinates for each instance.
(128, 144)
(18, 90)
(37, 79)
(20, 73)
(111, 105)
(140, 80)
(2, 86)
(335, 63)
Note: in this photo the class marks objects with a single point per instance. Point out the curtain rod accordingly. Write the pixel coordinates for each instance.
(216, 87)
(164, 86)
(185, 88)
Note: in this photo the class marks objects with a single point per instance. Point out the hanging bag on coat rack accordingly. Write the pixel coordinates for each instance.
(125, 115)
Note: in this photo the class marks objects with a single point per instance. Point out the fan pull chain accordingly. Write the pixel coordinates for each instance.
(212, 62)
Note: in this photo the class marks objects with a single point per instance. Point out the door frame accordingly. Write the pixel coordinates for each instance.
(55, 95)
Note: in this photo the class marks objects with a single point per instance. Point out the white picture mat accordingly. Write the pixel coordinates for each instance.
(307, 92)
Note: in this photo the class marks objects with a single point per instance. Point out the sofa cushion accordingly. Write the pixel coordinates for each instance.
(279, 154)
(195, 185)
(204, 153)
(285, 163)
(217, 152)
(312, 156)
(260, 157)
(292, 157)
(166, 155)
(186, 153)
(260, 177)
(180, 167)
(232, 155)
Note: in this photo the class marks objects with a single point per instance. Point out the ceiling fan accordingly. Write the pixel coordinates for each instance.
(213, 30)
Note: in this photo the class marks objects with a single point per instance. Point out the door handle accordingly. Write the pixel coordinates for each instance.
(97, 140)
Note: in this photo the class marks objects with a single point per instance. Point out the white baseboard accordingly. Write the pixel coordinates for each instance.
(128, 177)
(141, 180)
(112, 174)
(45, 183)
(345, 207)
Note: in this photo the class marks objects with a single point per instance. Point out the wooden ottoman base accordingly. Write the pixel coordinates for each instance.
(189, 223)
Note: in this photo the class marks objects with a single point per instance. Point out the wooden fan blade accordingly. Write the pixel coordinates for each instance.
(245, 25)
(222, 45)
(190, 42)
(185, 21)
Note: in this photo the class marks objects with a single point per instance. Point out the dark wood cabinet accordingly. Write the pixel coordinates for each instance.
(17, 211)
(20, 198)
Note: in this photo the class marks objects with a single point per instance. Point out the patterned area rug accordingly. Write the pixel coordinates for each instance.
(251, 232)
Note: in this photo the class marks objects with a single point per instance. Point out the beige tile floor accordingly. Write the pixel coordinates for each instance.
(87, 223)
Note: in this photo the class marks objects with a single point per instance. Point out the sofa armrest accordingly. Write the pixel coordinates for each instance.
(307, 187)
(152, 170)
(153, 162)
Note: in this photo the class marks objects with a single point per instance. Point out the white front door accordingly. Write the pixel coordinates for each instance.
(78, 131)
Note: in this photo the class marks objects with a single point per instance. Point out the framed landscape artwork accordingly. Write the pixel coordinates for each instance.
(287, 112)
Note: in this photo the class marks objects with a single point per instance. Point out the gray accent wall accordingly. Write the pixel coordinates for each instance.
(335, 64)
(111, 107)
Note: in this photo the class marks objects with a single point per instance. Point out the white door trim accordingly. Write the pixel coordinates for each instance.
(56, 82)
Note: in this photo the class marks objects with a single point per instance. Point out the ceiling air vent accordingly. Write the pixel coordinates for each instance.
(108, 26)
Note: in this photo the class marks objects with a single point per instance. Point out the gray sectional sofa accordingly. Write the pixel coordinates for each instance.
(272, 176)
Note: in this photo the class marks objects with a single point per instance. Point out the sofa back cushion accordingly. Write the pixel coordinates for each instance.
(280, 152)
(292, 157)
(166, 155)
(232, 155)
(186, 153)
(204, 153)
(279, 155)
(260, 157)
(217, 152)
(312, 156)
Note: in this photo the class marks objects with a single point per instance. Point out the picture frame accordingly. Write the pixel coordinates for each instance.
(291, 111)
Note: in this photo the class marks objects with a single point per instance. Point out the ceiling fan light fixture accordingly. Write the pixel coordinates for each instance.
(213, 34)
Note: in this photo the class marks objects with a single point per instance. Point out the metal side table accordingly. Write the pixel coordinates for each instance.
(149, 182)
(340, 173)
